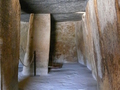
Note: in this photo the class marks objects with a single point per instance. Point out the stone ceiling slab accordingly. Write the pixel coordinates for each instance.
(53, 6)
(57, 17)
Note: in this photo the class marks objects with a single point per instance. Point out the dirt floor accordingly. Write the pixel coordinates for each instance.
(69, 77)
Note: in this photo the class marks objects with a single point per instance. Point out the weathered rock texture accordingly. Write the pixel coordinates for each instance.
(28, 58)
(23, 39)
(9, 43)
(101, 33)
(41, 42)
(63, 46)
(80, 43)
(53, 6)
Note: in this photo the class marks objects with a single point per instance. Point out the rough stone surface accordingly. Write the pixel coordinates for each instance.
(101, 38)
(61, 10)
(41, 42)
(41, 39)
(69, 77)
(59, 17)
(53, 6)
(89, 40)
(87, 37)
(29, 54)
(84, 41)
(67, 17)
(63, 46)
(80, 43)
(95, 34)
(23, 40)
(9, 43)
(109, 43)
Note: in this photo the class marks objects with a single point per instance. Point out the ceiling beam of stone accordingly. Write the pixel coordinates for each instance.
(67, 17)
(57, 17)
(53, 6)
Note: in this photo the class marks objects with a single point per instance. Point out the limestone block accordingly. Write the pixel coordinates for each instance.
(108, 31)
(9, 48)
(80, 43)
(103, 22)
(28, 58)
(24, 26)
(23, 38)
(87, 42)
(41, 42)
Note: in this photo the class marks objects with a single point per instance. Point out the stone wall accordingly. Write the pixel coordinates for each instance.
(9, 43)
(63, 45)
(101, 33)
(80, 43)
(85, 49)
(23, 40)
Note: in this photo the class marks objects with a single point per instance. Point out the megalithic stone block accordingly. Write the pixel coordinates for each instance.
(9, 43)
(28, 59)
(103, 23)
(41, 42)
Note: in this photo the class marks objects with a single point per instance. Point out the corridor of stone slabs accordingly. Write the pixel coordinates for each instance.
(98, 46)
(66, 73)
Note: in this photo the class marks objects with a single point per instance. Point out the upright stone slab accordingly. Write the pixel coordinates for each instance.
(87, 42)
(103, 19)
(24, 26)
(80, 43)
(28, 58)
(108, 27)
(9, 43)
(41, 42)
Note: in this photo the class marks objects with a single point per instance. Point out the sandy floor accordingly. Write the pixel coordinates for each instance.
(70, 77)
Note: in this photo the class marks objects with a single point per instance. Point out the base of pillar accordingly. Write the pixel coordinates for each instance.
(39, 71)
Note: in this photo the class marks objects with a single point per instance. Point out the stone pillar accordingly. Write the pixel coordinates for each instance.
(9, 43)
(41, 42)
(28, 59)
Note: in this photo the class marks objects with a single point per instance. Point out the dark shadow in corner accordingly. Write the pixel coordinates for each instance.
(52, 41)
(26, 7)
(53, 37)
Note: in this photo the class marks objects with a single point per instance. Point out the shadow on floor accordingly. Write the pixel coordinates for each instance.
(23, 83)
